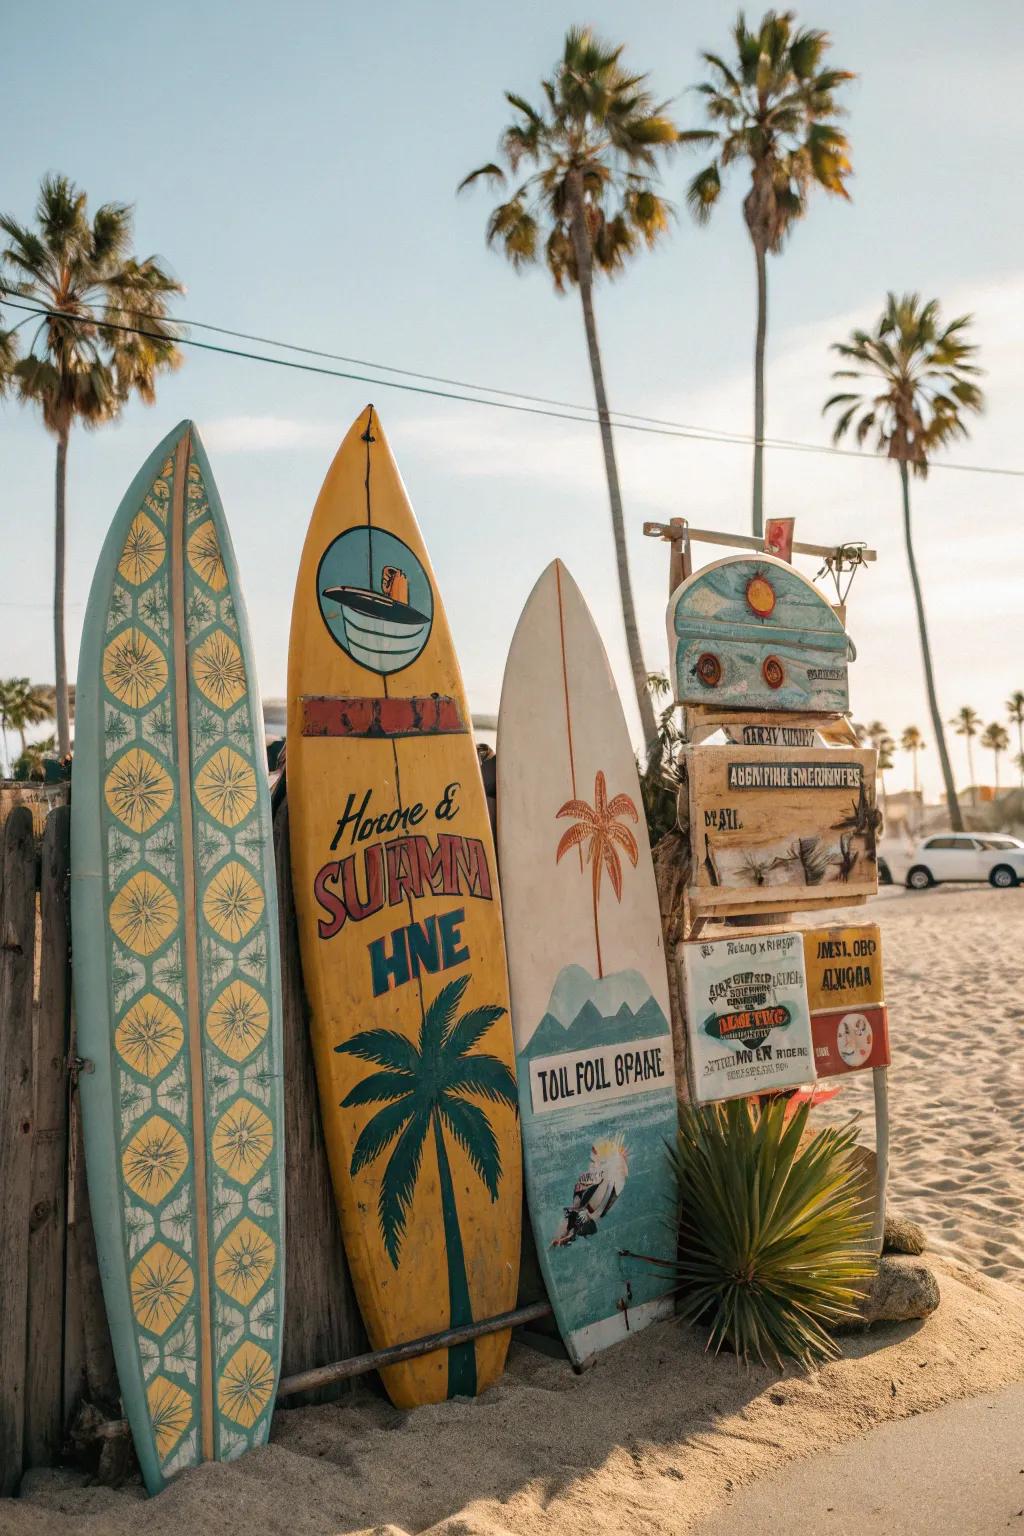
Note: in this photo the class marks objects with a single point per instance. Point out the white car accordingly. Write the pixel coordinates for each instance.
(966, 856)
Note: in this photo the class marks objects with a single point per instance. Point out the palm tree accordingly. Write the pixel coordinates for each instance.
(913, 742)
(772, 105)
(423, 1089)
(927, 386)
(885, 748)
(997, 739)
(1015, 715)
(24, 704)
(82, 280)
(967, 721)
(32, 762)
(588, 205)
(8, 695)
(600, 827)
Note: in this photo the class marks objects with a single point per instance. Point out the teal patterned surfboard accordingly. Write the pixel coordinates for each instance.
(177, 974)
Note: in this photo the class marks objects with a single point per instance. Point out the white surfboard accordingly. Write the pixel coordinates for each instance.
(590, 1005)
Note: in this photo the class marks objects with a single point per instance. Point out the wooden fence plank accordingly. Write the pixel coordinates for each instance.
(17, 953)
(44, 1427)
(322, 1321)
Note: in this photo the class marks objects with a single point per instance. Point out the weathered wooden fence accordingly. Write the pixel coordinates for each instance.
(55, 1353)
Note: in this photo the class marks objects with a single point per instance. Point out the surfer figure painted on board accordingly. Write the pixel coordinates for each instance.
(596, 1191)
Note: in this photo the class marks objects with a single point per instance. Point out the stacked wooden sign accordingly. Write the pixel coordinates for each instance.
(779, 802)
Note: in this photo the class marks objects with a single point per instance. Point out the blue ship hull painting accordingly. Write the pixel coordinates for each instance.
(598, 1107)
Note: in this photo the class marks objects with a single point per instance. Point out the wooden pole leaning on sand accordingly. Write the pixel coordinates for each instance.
(377, 1359)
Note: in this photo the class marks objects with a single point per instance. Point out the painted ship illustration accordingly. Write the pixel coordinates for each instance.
(383, 630)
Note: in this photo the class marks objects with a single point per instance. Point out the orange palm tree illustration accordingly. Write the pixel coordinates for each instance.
(600, 827)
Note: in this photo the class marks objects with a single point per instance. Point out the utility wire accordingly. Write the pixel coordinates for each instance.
(627, 422)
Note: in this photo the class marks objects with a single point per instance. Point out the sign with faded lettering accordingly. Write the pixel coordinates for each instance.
(606, 1072)
(753, 633)
(750, 734)
(849, 1019)
(773, 829)
(747, 1019)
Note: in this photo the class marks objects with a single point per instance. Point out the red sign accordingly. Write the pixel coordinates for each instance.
(778, 538)
(850, 1039)
(432, 715)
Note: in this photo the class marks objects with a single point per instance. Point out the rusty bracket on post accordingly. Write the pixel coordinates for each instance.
(378, 1359)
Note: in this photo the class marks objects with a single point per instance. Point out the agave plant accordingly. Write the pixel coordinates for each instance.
(774, 1239)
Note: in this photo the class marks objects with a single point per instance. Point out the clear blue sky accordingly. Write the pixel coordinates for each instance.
(297, 171)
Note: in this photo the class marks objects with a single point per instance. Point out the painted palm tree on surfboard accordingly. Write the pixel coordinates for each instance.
(600, 827)
(424, 1089)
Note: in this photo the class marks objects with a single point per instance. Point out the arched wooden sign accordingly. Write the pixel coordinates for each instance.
(750, 632)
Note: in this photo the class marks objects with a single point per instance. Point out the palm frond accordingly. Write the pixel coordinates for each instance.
(378, 1134)
(385, 1047)
(398, 1182)
(462, 1034)
(475, 1135)
(704, 191)
(438, 1017)
(380, 1088)
(481, 1074)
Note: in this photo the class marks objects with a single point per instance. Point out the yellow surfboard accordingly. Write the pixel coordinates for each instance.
(400, 928)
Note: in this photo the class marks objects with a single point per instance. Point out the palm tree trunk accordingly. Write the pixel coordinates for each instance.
(762, 328)
(1020, 744)
(461, 1359)
(970, 770)
(952, 804)
(917, 787)
(584, 268)
(597, 926)
(995, 761)
(59, 653)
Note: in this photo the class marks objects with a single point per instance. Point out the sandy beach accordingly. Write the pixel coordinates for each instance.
(954, 968)
(656, 1436)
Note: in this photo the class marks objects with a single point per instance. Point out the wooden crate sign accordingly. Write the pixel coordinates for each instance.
(752, 633)
(849, 1019)
(747, 1018)
(780, 828)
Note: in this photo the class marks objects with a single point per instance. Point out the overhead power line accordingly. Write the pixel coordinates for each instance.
(525, 404)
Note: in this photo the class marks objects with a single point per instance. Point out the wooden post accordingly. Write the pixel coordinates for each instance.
(881, 1085)
(44, 1426)
(17, 960)
(89, 1369)
(322, 1320)
(679, 562)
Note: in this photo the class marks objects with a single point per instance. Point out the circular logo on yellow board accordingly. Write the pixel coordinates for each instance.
(375, 599)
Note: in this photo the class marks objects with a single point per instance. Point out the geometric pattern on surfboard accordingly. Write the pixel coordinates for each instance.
(154, 1072)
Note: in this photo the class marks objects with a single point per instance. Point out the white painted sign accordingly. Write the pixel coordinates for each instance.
(603, 1072)
(747, 1017)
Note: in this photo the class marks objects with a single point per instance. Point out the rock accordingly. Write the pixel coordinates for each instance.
(903, 1236)
(902, 1290)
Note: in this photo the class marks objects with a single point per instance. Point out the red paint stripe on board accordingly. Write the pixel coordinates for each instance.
(431, 714)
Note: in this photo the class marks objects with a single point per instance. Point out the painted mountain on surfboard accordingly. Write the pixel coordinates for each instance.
(609, 1011)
